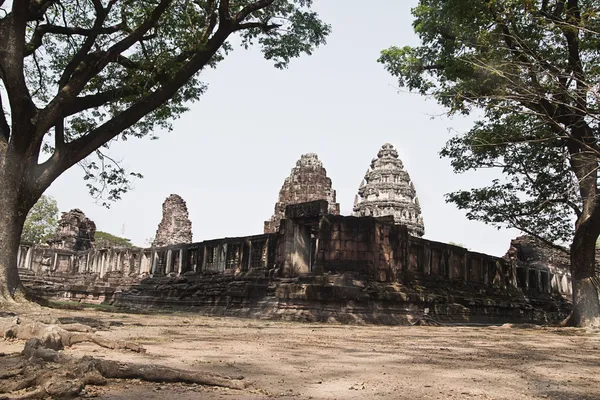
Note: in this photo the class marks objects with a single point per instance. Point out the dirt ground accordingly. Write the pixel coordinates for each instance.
(324, 361)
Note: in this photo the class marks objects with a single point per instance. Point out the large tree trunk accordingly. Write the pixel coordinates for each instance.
(14, 207)
(586, 291)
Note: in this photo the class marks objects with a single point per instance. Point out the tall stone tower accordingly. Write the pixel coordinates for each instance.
(308, 181)
(175, 226)
(388, 190)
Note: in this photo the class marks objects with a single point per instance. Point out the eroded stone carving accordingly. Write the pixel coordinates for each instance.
(308, 181)
(75, 232)
(175, 226)
(388, 190)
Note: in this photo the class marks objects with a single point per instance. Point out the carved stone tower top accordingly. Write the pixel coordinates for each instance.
(388, 190)
(75, 232)
(308, 181)
(175, 226)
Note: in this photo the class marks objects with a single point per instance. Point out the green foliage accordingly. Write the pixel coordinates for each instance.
(531, 68)
(41, 222)
(106, 240)
(458, 245)
(114, 70)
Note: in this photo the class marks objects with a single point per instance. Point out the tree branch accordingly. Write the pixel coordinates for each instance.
(4, 126)
(80, 148)
(250, 8)
(224, 17)
(261, 25)
(40, 31)
(72, 85)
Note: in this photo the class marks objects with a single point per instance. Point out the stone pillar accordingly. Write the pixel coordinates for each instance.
(296, 248)
(54, 261)
(153, 261)
(169, 262)
(29, 258)
(204, 259)
(118, 266)
(427, 258)
(180, 263)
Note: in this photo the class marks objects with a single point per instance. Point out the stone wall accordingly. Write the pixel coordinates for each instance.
(317, 266)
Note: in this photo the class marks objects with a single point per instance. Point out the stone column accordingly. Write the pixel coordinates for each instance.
(29, 258)
(152, 261)
(180, 263)
(169, 262)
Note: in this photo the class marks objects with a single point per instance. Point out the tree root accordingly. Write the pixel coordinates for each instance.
(41, 370)
(58, 337)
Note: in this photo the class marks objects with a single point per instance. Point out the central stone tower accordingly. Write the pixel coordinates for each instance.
(308, 181)
(388, 190)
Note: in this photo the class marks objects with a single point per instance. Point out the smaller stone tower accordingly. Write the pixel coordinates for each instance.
(388, 190)
(308, 181)
(175, 226)
(75, 232)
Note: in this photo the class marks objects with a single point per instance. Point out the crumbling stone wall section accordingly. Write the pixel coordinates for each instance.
(75, 232)
(388, 191)
(528, 249)
(175, 226)
(308, 181)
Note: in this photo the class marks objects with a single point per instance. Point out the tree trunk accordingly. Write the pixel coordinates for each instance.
(586, 300)
(13, 211)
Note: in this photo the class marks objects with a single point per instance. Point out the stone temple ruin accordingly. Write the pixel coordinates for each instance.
(175, 226)
(388, 190)
(75, 232)
(308, 181)
(312, 264)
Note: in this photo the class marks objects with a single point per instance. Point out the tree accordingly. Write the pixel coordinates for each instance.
(531, 68)
(41, 221)
(78, 74)
(106, 240)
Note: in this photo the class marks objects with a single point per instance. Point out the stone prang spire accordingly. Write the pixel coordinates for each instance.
(175, 226)
(308, 181)
(388, 190)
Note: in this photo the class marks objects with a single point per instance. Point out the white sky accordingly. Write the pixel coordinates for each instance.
(228, 156)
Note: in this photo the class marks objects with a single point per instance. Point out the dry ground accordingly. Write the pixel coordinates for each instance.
(320, 361)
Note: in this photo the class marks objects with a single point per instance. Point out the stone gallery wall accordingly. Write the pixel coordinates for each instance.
(316, 263)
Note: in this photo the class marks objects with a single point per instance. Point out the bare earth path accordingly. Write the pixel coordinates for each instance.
(319, 361)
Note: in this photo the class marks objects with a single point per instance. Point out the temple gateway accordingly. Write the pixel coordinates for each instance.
(310, 264)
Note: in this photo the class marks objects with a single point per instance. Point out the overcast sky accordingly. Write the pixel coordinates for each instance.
(228, 156)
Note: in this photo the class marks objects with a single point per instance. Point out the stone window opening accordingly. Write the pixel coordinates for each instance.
(521, 278)
(256, 257)
(533, 281)
(211, 256)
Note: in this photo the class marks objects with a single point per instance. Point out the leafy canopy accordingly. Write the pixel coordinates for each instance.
(107, 240)
(89, 72)
(41, 222)
(532, 67)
